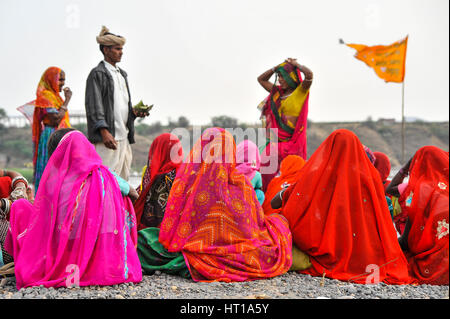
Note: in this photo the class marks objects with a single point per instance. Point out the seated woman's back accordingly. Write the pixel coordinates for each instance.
(214, 219)
(338, 215)
(428, 213)
(80, 220)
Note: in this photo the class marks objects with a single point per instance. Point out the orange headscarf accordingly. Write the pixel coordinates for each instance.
(426, 198)
(338, 215)
(47, 96)
(289, 169)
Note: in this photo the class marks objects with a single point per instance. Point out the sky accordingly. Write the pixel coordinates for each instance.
(201, 58)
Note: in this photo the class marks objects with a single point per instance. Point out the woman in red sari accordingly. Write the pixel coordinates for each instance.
(383, 165)
(285, 113)
(289, 169)
(13, 186)
(425, 201)
(338, 215)
(164, 157)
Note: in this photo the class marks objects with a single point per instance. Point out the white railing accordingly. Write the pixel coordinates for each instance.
(76, 117)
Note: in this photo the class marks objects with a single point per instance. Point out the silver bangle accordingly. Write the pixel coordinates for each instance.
(18, 192)
(2, 212)
(19, 178)
(280, 194)
(7, 208)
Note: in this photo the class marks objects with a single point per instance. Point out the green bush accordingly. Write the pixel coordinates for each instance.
(21, 147)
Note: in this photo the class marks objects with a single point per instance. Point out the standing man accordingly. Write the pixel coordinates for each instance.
(110, 115)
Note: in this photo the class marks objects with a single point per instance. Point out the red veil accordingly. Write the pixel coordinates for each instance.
(160, 161)
(428, 213)
(338, 215)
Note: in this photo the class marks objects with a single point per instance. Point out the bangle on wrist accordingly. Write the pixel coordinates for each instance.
(19, 179)
(281, 194)
(6, 204)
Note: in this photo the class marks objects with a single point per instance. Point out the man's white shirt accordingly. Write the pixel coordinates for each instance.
(121, 100)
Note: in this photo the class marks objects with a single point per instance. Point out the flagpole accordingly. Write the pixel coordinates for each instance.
(403, 122)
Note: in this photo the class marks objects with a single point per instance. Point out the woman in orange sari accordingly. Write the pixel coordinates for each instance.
(289, 169)
(425, 201)
(214, 219)
(50, 114)
(339, 217)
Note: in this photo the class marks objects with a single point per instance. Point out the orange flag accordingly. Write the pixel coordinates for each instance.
(388, 61)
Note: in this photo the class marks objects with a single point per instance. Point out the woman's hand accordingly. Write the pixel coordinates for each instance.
(292, 61)
(67, 94)
(30, 195)
(19, 192)
(133, 194)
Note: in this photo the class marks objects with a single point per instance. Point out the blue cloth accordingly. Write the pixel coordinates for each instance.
(391, 207)
(123, 184)
(42, 157)
(257, 185)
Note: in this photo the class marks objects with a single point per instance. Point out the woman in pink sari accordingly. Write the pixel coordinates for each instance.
(285, 112)
(80, 231)
(215, 220)
(248, 162)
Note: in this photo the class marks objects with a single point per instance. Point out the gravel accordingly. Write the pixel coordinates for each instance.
(288, 286)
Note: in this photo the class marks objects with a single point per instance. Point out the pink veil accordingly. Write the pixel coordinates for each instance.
(80, 230)
(248, 159)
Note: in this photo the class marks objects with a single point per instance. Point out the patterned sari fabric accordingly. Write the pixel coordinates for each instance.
(213, 217)
(47, 100)
(164, 157)
(291, 141)
(369, 154)
(289, 169)
(156, 200)
(80, 230)
(427, 209)
(340, 218)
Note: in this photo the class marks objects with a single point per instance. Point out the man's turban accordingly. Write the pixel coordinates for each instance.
(107, 39)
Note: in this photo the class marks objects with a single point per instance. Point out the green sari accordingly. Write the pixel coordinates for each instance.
(153, 256)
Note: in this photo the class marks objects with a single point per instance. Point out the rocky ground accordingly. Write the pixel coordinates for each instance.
(288, 286)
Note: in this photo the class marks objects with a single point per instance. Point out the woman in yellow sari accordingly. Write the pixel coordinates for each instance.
(285, 111)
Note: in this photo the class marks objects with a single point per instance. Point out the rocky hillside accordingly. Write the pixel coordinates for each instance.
(15, 143)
